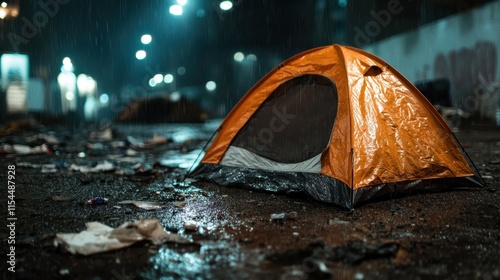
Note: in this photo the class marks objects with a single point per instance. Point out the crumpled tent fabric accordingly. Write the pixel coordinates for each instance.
(371, 125)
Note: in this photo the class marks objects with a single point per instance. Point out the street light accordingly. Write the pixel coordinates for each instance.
(146, 39)
(239, 56)
(176, 10)
(226, 5)
(140, 54)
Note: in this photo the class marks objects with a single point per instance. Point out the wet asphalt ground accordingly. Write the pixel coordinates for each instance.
(448, 235)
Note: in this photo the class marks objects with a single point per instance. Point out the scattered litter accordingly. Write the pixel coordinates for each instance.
(97, 200)
(487, 177)
(179, 204)
(24, 149)
(337, 221)
(104, 166)
(146, 205)
(278, 217)
(104, 135)
(191, 226)
(62, 198)
(101, 238)
(156, 140)
(48, 139)
(295, 234)
(64, 271)
(320, 271)
(117, 206)
(95, 146)
(282, 216)
(127, 159)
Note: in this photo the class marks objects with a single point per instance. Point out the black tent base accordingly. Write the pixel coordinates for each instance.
(320, 187)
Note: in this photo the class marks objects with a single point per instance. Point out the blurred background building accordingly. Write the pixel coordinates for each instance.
(212, 51)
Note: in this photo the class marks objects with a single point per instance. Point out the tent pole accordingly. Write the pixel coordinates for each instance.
(470, 160)
(198, 157)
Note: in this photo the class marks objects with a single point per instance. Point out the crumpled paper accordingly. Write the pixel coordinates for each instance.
(146, 205)
(102, 238)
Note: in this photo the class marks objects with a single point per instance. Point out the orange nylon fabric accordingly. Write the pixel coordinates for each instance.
(395, 135)
(394, 132)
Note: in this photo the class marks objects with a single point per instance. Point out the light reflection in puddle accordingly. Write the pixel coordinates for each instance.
(184, 161)
(205, 263)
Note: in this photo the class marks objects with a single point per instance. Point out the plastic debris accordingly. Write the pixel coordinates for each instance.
(24, 149)
(179, 204)
(105, 166)
(278, 217)
(337, 221)
(146, 205)
(282, 216)
(102, 238)
(97, 201)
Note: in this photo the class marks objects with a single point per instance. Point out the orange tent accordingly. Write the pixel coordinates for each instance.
(340, 125)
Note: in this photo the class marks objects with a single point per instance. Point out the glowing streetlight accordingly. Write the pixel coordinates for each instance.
(140, 55)
(182, 2)
(104, 98)
(146, 39)
(239, 56)
(226, 5)
(211, 86)
(169, 78)
(176, 10)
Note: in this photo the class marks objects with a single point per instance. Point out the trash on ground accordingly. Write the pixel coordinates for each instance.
(97, 200)
(282, 216)
(179, 204)
(156, 140)
(24, 149)
(104, 166)
(191, 226)
(48, 139)
(102, 238)
(278, 217)
(146, 205)
(104, 135)
(337, 221)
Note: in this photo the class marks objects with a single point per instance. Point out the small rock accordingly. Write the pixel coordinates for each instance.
(179, 204)
(191, 226)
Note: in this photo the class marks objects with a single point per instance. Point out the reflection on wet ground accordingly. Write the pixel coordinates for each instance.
(236, 233)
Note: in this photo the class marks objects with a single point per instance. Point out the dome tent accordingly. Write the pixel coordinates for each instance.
(340, 125)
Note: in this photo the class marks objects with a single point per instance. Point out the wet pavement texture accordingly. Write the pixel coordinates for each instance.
(238, 234)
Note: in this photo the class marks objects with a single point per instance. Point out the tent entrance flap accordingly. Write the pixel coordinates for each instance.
(294, 123)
